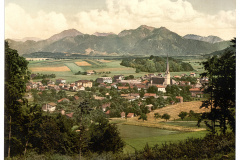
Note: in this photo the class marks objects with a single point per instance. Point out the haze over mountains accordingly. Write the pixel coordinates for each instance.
(144, 40)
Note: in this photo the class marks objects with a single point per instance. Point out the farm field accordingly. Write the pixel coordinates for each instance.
(136, 133)
(68, 67)
(136, 137)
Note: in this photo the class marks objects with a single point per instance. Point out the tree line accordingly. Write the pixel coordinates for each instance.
(156, 64)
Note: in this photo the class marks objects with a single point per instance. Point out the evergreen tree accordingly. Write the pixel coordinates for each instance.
(222, 89)
(16, 77)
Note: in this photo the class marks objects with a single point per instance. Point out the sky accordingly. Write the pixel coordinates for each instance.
(43, 18)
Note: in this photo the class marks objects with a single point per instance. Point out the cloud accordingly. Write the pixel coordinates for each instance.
(178, 16)
(19, 24)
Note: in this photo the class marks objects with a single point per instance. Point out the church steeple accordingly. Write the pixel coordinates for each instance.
(167, 74)
(167, 70)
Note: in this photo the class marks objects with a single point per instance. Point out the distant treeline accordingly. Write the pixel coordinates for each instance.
(42, 76)
(156, 64)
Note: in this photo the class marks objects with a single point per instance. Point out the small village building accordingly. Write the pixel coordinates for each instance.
(180, 99)
(28, 88)
(108, 112)
(104, 80)
(49, 107)
(118, 77)
(193, 74)
(196, 92)
(98, 98)
(41, 88)
(141, 86)
(149, 107)
(161, 88)
(130, 115)
(104, 106)
(146, 95)
(60, 80)
(90, 73)
(123, 114)
(63, 100)
(130, 98)
(131, 81)
(61, 85)
(62, 112)
(122, 87)
(84, 83)
(76, 98)
(70, 115)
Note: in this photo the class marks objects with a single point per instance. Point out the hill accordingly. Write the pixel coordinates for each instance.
(210, 39)
(143, 40)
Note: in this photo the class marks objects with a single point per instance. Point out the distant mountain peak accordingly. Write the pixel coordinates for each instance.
(210, 38)
(146, 27)
(65, 33)
(28, 39)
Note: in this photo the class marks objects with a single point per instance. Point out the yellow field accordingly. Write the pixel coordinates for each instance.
(83, 63)
(52, 69)
(173, 111)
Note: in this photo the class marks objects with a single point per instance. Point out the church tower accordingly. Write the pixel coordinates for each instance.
(167, 74)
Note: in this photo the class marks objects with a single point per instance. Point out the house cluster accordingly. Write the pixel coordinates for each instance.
(60, 84)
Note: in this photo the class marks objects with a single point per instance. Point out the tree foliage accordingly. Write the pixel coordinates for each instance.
(16, 77)
(182, 115)
(221, 88)
(156, 64)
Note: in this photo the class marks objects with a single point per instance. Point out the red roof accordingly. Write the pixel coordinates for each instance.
(108, 112)
(195, 89)
(123, 87)
(76, 97)
(149, 94)
(106, 105)
(70, 114)
(60, 100)
(130, 115)
(160, 86)
(179, 97)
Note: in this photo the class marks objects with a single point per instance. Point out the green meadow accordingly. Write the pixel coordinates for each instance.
(136, 137)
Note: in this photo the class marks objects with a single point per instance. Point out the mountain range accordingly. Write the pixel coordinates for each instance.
(144, 40)
(210, 39)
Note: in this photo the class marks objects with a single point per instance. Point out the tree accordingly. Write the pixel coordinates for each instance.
(221, 88)
(16, 77)
(157, 115)
(104, 137)
(166, 116)
(182, 115)
(143, 116)
(191, 114)
(152, 89)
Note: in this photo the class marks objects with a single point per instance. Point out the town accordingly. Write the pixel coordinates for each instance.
(137, 94)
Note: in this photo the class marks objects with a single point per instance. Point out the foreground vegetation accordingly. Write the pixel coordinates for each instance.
(209, 147)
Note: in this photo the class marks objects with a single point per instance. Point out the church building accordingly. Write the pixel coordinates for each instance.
(160, 80)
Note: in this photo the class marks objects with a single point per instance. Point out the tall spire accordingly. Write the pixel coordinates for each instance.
(167, 70)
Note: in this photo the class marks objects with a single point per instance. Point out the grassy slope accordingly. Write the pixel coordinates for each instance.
(136, 137)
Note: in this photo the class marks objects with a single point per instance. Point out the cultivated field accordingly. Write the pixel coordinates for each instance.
(50, 69)
(83, 63)
(74, 68)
